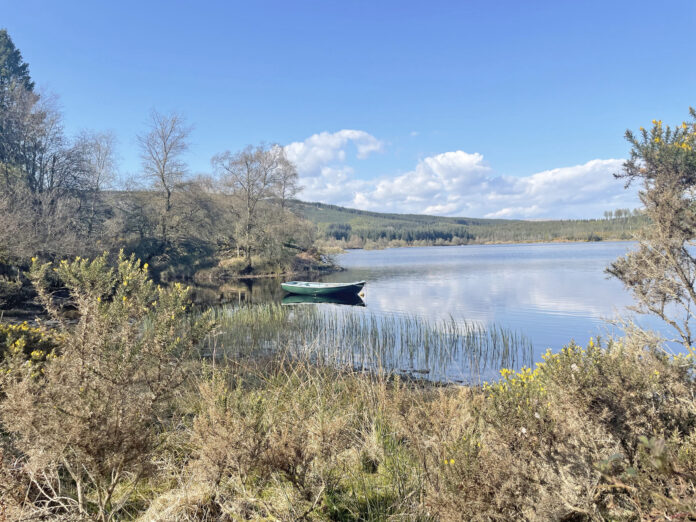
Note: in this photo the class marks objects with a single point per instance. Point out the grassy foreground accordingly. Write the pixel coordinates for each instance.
(117, 417)
(592, 433)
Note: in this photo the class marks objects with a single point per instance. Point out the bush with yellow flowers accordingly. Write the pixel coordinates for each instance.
(31, 343)
(85, 427)
(518, 399)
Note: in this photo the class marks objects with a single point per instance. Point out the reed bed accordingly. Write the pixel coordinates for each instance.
(447, 350)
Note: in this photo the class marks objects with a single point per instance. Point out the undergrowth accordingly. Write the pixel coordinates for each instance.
(605, 431)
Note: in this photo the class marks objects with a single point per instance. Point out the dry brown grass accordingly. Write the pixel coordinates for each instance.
(94, 430)
(593, 434)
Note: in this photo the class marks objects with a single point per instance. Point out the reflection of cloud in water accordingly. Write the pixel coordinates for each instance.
(552, 292)
(480, 296)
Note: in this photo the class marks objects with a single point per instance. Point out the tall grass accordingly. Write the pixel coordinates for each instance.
(593, 433)
(446, 350)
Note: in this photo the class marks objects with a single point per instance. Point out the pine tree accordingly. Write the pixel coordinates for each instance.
(13, 69)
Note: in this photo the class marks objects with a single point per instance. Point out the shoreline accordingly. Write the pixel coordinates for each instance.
(491, 243)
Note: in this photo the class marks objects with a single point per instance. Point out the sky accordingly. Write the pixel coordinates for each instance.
(462, 108)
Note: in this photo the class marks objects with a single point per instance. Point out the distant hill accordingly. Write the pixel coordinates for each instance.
(352, 228)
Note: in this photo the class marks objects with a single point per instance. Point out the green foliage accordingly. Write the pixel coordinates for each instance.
(13, 70)
(33, 344)
(662, 154)
(352, 228)
(88, 423)
(661, 273)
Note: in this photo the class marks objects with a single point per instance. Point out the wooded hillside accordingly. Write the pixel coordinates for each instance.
(351, 228)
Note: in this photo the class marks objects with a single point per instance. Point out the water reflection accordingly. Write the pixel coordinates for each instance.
(448, 351)
(338, 299)
(551, 293)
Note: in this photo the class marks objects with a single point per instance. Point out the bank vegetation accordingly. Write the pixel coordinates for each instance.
(141, 411)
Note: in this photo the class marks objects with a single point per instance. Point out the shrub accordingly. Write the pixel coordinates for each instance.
(592, 433)
(28, 342)
(90, 421)
(290, 440)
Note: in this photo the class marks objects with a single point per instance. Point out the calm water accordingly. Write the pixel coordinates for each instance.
(549, 294)
(552, 293)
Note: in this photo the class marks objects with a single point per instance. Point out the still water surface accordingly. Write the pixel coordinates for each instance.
(551, 293)
(547, 294)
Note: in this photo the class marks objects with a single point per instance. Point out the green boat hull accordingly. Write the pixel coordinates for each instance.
(308, 288)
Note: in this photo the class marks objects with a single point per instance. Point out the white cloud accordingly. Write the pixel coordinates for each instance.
(326, 148)
(332, 185)
(455, 183)
(436, 185)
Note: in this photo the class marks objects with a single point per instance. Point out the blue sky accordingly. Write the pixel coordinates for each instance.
(511, 109)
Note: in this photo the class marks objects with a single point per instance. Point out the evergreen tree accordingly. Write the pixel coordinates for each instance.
(13, 69)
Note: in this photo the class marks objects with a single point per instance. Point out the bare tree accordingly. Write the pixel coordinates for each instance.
(162, 148)
(661, 274)
(287, 184)
(252, 175)
(100, 156)
(134, 212)
(43, 177)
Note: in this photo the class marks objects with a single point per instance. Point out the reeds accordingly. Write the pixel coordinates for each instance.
(446, 350)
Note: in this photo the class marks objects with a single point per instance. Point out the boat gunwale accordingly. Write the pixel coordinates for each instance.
(313, 284)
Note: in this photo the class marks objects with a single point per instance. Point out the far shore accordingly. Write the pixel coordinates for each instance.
(338, 250)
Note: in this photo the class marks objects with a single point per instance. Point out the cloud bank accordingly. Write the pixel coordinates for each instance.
(455, 183)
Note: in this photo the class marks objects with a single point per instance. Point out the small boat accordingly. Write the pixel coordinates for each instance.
(337, 299)
(309, 288)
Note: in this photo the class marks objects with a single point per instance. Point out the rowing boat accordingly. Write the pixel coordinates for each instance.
(310, 288)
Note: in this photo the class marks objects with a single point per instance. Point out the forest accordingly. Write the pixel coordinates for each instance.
(350, 228)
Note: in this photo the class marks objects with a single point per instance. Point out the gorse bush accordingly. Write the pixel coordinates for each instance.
(546, 435)
(33, 343)
(592, 433)
(87, 424)
(661, 272)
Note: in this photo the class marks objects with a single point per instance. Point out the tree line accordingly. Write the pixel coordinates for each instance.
(621, 213)
(351, 228)
(59, 195)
